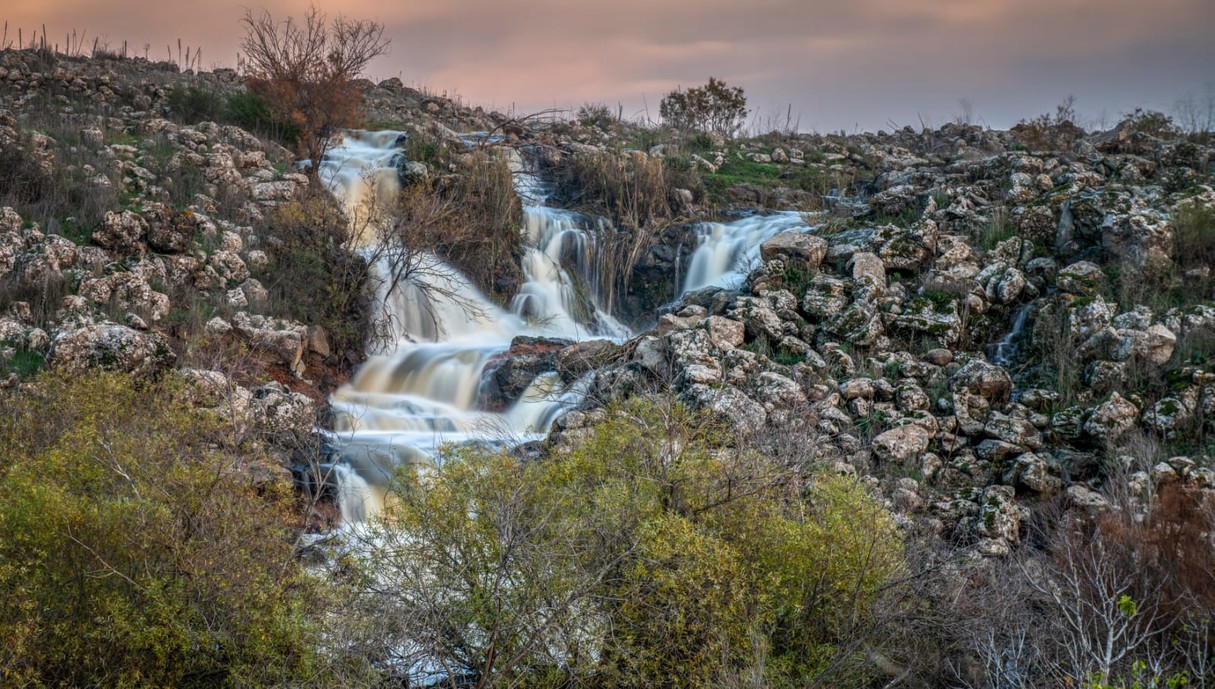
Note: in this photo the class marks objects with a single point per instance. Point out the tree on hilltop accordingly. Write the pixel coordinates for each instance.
(306, 71)
(714, 107)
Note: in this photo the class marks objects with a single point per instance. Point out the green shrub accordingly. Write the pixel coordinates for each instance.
(194, 103)
(313, 274)
(597, 115)
(248, 111)
(714, 107)
(1194, 236)
(647, 555)
(135, 552)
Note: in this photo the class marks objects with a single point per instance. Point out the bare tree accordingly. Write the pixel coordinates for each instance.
(306, 71)
(1091, 594)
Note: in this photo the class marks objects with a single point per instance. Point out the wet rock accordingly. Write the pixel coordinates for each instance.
(512, 372)
(803, 249)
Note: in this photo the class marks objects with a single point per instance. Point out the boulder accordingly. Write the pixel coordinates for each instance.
(1081, 277)
(112, 347)
(868, 269)
(902, 444)
(803, 249)
(121, 232)
(275, 409)
(1111, 419)
(978, 377)
(169, 231)
(826, 297)
(725, 333)
(581, 357)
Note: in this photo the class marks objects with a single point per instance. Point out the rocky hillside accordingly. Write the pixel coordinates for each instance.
(980, 326)
(996, 332)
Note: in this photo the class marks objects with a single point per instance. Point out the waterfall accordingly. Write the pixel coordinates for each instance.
(726, 252)
(419, 391)
(1006, 348)
(550, 297)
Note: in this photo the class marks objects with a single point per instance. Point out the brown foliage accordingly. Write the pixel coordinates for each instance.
(306, 71)
(1172, 546)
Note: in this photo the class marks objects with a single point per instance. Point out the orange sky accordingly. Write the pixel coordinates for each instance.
(838, 63)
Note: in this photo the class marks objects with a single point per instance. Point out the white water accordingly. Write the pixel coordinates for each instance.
(727, 252)
(419, 393)
(1006, 349)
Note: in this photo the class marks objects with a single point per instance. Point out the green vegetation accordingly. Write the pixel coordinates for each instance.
(645, 556)
(312, 275)
(714, 107)
(249, 111)
(194, 103)
(473, 221)
(22, 362)
(135, 552)
(741, 170)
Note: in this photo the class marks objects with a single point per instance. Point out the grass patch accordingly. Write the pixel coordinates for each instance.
(23, 362)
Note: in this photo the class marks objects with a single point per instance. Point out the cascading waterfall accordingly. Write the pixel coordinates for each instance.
(1005, 350)
(549, 297)
(420, 391)
(727, 251)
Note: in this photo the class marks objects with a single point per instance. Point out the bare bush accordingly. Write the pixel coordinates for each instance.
(306, 71)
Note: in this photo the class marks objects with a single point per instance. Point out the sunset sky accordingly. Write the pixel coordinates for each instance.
(839, 64)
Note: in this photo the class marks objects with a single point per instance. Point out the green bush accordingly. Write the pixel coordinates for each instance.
(647, 555)
(194, 103)
(597, 115)
(135, 553)
(313, 274)
(714, 107)
(248, 111)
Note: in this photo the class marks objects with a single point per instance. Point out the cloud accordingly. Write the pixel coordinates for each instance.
(838, 63)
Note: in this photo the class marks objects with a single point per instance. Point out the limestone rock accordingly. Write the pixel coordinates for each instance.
(112, 347)
(804, 249)
(1082, 277)
(902, 444)
(121, 232)
(978, 377)
(1111, 419)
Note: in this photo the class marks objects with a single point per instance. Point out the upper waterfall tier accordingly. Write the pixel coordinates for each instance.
(727, 251)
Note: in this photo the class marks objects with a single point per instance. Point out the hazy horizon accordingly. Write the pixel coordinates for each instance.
(865, 64)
